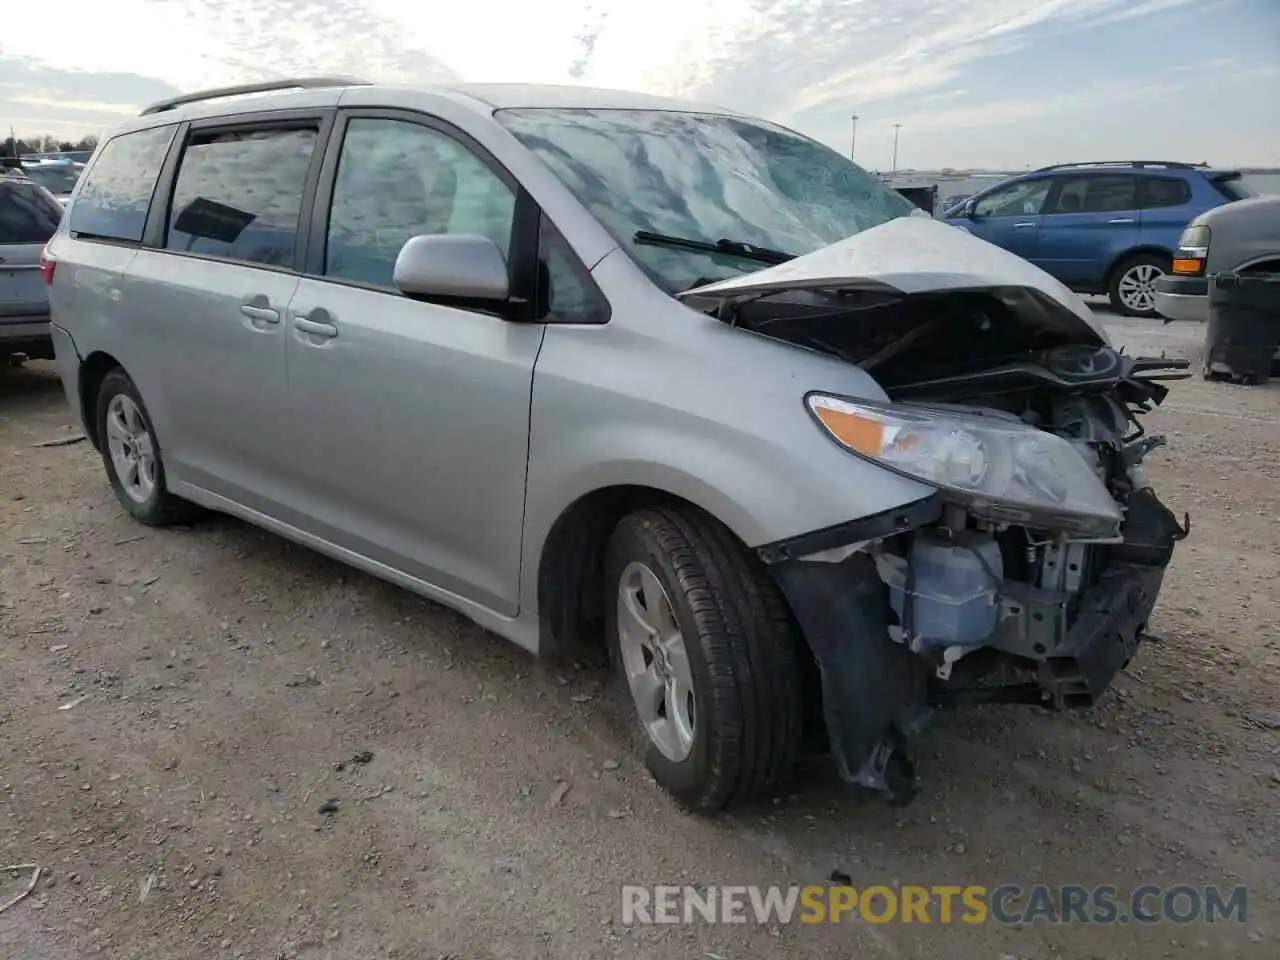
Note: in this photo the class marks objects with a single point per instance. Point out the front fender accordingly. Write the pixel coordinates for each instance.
(751, 457)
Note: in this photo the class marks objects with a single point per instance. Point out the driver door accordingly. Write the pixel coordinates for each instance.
(1009, 216)
(411, 417)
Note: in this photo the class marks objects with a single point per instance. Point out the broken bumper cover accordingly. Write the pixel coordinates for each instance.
(877, 693)
(874, 691)
(1104, 637)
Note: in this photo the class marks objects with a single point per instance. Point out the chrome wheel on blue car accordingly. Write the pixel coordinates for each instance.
(1133, 285)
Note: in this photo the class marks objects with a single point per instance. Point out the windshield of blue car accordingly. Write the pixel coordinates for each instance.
(56, 178)
(705, 178)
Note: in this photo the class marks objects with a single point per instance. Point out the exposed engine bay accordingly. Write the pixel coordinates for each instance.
(966, 590)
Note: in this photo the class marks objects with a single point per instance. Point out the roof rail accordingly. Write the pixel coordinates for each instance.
(267, 86)
(1169, 164)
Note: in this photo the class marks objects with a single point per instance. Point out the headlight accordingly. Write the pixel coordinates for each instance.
(1003, 471)
(1193, 250)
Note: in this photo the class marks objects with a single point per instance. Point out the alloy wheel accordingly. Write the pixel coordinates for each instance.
(1137, 287)
(132, 448)
(656, 662)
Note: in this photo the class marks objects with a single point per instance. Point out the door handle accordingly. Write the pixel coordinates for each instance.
(1121, 220)
(261, 314)
(1025, 223)
(317, 328)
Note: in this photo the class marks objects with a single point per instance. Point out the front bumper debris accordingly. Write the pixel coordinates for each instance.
(877, 693)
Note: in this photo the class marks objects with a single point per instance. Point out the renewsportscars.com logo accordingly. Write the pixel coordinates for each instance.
(942, 904)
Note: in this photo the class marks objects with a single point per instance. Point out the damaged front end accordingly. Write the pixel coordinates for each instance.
(1031, 574)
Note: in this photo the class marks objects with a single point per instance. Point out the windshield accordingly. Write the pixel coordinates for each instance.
(55, 178)
(706, 178)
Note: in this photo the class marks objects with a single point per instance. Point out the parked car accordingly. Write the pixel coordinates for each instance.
(57, 176)
(598, 367)
(29, 215)
(1101, 228)
(926, 198)
(1241, 237)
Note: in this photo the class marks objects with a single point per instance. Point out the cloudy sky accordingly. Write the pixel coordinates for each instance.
(1004, 83)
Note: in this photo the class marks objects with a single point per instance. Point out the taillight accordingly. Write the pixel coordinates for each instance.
(47, 266)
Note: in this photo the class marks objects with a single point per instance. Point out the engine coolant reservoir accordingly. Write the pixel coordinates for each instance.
(954, 593)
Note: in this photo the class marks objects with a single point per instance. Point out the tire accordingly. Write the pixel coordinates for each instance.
(741, 650)
(148, 503)
(1136, 270)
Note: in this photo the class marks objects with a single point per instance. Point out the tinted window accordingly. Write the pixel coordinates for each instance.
(566, 294)
(704, 177)
(27, 213)
(238, 194)
(1095, 195)
(117, 190)
(1163, 192)
(55, 177)
(398, 179)
(1018, 199)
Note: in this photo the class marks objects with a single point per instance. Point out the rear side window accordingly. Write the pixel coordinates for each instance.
(1163, 192)
(1105, 194)
(238, 194)
(27, 213)
(115, 197)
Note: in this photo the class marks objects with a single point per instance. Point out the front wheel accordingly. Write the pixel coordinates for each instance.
(708, 657)
(1133, 285)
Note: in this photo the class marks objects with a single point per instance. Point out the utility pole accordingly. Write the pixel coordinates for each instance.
(896, 128)
(853, 137)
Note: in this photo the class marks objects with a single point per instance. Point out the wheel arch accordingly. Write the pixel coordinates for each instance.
(1133, 253)
(93, 370)
(1268, 263)
(570, 560)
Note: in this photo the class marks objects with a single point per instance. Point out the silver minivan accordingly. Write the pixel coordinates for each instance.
(604, 368)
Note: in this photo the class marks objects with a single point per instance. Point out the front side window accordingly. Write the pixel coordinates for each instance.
(1107, 194)
(27, 213)
(704, 177)
(398, 179)
(238, 194)
(1018, 199)
(116, 195)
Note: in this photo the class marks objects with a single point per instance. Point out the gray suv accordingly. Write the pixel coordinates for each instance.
(29, 215)
(603, 368)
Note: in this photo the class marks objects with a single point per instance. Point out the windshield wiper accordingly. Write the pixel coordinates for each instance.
(732, 248)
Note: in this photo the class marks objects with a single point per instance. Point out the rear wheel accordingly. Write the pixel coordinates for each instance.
(132, 457)
(707, 653)
(1133, 285)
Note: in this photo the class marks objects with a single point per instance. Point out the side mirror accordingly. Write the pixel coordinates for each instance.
(457, 266)
(970, 206)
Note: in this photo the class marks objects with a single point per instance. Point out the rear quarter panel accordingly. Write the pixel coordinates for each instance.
(86, 293)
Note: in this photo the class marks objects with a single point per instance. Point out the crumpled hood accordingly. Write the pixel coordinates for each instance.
(910, 255)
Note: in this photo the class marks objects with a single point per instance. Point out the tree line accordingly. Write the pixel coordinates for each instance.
(44, 143)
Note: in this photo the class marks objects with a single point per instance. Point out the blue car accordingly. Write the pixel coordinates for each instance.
(1100, 228)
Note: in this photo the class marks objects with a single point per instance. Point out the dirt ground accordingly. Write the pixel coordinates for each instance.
(177, 706)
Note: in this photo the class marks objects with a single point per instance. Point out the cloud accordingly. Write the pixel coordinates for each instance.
(1115, 93)
(807, 63)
